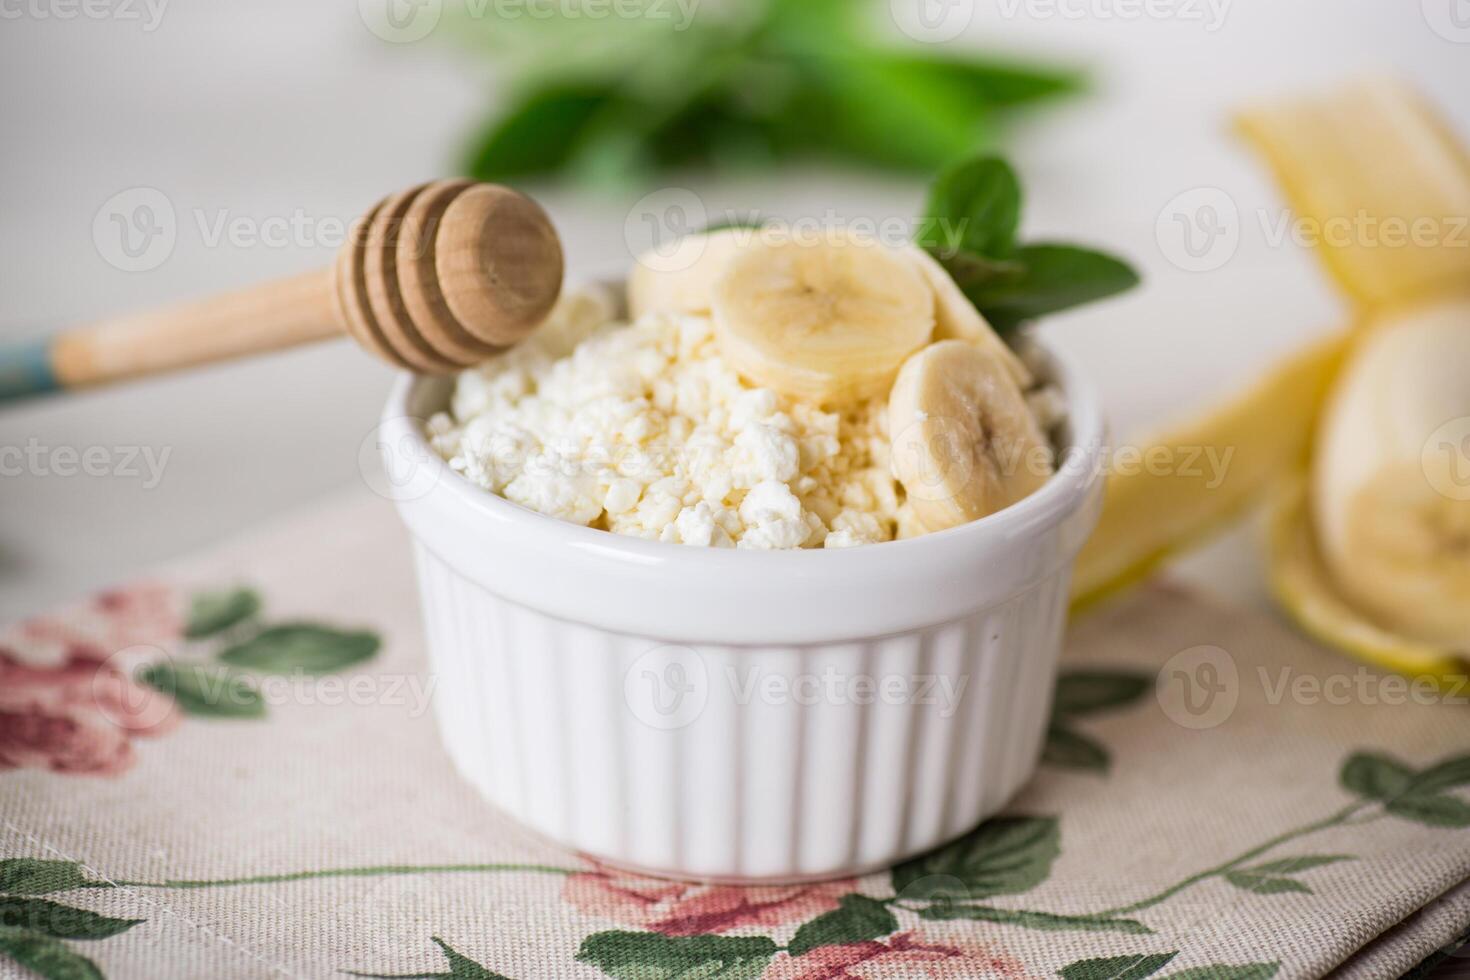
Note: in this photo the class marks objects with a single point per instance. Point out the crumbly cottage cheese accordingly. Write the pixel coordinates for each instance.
(642, 429)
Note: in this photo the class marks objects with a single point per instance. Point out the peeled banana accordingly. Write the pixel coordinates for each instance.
(827, 321)
(965, 443)
(1390, 482)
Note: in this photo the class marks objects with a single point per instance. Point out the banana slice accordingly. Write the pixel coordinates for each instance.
(964, 442)
(682, 280)
(955, 317)
(826, 322)
(1391, 477)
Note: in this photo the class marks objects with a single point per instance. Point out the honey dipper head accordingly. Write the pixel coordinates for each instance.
(445, 275)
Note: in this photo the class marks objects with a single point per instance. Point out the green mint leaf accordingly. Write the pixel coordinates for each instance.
(305, 647)
(1004, 856)
(853, 103)
(538, 135)
(858, 919)
(48, 957)
(1376, 777)
(1067, 749)
(653, 956)
(59, 921)
(974, 207)
(214, 612)
(1056, 277)
(997, 83)
(1117, 967)
(1085, 692)
(1044, 921)
(34, 876)
(205, 691)
(971, 271)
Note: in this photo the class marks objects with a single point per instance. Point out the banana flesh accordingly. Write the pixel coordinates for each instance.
(965, 443)
(826, 322)
(1390, 482)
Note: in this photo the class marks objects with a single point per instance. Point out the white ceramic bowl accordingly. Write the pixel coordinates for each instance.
(741, 715)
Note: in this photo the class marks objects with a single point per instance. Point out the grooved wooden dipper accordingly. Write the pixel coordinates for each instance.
(433, 279)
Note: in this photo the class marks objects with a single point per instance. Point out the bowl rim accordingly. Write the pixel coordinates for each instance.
(1080, 469)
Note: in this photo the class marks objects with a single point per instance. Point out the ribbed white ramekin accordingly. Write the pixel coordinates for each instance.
(741, 715)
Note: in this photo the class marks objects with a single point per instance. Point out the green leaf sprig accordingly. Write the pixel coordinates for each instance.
(731, 85)
(970, 225)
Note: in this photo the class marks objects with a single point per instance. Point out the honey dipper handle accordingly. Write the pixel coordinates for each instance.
(262, 318)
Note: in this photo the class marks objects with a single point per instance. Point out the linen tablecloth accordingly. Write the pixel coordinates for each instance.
(232, 770)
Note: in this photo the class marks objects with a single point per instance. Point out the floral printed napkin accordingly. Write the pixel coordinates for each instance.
(234, 772)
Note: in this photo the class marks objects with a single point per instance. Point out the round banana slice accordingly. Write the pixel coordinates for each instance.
(955, 317)
(681, 279)
(1391, 477)
(826, 322)
(964, 441)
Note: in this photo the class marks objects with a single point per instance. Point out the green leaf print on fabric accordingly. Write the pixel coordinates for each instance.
(59, 921)
(1272, 878)
(35, 876)
(1067, 749)
(1146, 965)
(652, 956)
(1045, 921)
(858, 919)
(1376, 777)
(461, 967)
(1417, 796)
(1080, 693)
(1217, 971)
(215, 612)
(1117, 967)
(1087, 692)
(1004, 856)
(204, 691)
(46, 956)
(302, 646)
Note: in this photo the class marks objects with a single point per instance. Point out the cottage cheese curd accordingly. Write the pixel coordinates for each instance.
(643, 429)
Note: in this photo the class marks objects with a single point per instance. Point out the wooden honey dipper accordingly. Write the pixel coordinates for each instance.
(433, 280)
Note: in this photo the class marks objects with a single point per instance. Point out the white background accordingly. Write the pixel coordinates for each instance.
(273, 107)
